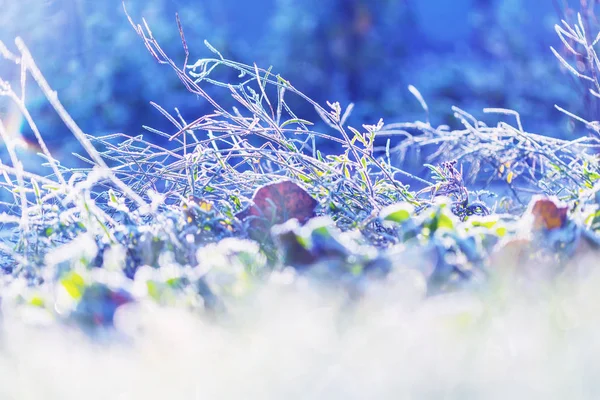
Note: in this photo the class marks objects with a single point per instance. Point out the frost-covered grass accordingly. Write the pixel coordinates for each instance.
(203, 269)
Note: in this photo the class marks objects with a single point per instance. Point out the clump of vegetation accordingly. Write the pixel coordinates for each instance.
(144, 205)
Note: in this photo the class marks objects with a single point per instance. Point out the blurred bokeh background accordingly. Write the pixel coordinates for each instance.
(468, 53)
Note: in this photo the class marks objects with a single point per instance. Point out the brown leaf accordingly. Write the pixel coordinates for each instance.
(275, 203)
(548, 213)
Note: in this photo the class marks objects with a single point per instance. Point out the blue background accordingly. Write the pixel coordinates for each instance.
(468, 53)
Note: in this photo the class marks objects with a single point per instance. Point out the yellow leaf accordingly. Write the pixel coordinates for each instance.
(510, 177)
(205, 206)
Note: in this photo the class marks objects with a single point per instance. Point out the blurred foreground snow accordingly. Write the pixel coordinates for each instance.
(294, 342)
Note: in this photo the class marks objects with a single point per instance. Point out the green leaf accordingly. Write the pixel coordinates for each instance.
(50, 187)
(444, 221)
(356, 269)
(291, 147)
(484, 221)
(346, 171)
(295, 121)
(399, 212)
(74, 285)
(153, 290)
(304, 178)
(236, 201)
(556, 167)
(363, 161)
(37, 301)
(113, 197)
(283, 81)
(36, 190)
(357, 135)
(173, 282)
(319, 156)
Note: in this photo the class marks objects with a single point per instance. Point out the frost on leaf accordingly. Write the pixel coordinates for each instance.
(275, 203)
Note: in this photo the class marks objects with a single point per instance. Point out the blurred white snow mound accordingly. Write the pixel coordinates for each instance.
(291, 341)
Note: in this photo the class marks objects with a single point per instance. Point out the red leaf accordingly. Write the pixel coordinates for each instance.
(548, 213)
(275, 203)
